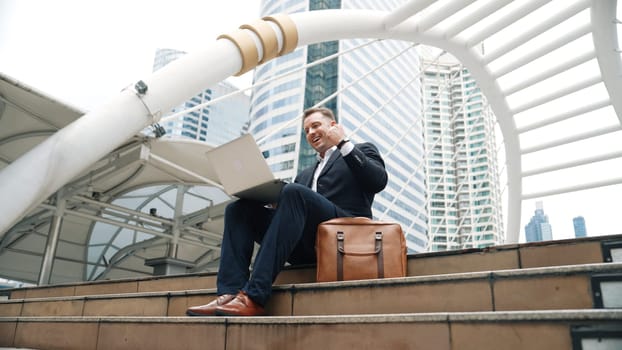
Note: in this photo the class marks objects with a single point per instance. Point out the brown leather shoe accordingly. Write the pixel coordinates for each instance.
(242, 305)
(210, 308)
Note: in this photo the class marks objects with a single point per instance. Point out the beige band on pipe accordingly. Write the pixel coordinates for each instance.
(288, 28)
(248, 50)
(268, 39)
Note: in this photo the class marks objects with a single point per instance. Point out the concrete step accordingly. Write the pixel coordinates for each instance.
(532, 330)
(515, 256)
(548, 288)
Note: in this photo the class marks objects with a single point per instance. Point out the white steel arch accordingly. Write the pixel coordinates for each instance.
(453, 25)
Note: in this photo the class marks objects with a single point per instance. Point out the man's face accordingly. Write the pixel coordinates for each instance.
(316, 127)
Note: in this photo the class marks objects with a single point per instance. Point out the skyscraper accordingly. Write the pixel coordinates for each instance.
(377, 98)
(464, 206)
(215, 124)
(579, 227)
(538, 228)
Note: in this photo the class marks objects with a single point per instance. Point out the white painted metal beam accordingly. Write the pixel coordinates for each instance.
(545, 49)
(586, 108)
(574, 163)
(607, 51)
(575, 188)
(569, 89)
(440, 13)
(574, 138)
(405, 11)
(483, 12)
(536, 30)
(545, 74)
(504, 21)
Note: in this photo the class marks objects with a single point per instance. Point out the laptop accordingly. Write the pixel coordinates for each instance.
(243, 171)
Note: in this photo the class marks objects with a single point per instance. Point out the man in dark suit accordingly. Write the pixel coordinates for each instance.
(343, 183)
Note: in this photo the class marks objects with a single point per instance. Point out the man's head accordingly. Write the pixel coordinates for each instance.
(317, 123)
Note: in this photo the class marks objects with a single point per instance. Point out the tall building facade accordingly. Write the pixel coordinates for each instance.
(464, 195)
(215, 124)
(538, 228)
(377, 98)
(579, 227)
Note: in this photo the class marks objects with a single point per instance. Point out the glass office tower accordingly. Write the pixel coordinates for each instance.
(464, 205)
(579, 227)
(377, 98)
(539, 228)
(215, 124)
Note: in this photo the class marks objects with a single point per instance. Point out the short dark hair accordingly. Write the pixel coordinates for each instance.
(323, 110)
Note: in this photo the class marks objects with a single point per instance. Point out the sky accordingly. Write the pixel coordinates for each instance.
(83, 52)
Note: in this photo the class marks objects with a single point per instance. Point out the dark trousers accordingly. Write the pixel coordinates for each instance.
(286, 234)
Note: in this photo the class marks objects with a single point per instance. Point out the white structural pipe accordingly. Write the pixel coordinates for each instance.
(586, 108)
(530, 33)
(555, 94)
(573, 138)
(40, 172)
(575, 188)
(524, 9)
(543, 50)
(405, 11)
(574, 163)
(44, 169)
(541, 76)
(608, 52)
(468, 21)
(51, 244)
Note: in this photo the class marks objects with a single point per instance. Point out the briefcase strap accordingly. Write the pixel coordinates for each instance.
(341, 252)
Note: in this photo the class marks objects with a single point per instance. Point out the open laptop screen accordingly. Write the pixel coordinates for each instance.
(243, 171)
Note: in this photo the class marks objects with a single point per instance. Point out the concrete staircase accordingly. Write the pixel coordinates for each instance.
(549, 295)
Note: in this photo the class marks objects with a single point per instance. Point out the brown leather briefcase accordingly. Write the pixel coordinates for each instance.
(359, 248)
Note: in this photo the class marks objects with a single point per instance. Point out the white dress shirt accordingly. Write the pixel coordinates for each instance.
(345, 150)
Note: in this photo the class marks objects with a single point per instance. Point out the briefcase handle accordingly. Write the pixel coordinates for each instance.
(341, 252)
(342, 249)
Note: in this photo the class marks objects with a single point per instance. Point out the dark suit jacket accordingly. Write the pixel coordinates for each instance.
(350, 182)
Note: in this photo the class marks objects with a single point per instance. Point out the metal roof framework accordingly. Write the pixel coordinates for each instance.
(103, 219)
(551, 71)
